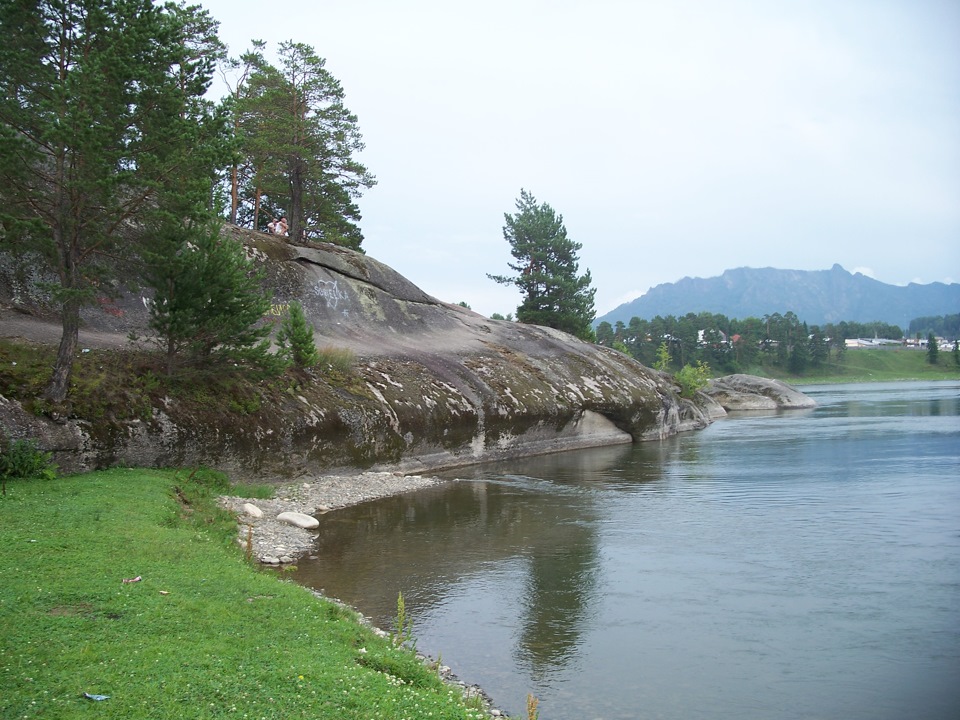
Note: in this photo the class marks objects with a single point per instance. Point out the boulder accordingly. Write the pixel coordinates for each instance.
(749, 392)
(298, 519)
(252, 510)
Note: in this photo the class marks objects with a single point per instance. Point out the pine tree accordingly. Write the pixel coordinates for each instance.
(933, 351)
(101, 113)
(547, 265)
(302, 143)
(207, 302)
(295, 338)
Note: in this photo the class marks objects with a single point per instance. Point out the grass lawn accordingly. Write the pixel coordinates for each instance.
(871, 365)
(203, 634)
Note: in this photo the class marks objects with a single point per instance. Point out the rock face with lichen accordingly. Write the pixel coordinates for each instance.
(748, 392)
(432, 384)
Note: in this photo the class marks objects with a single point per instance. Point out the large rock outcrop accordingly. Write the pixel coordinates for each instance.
(433, 384)
(748, 392)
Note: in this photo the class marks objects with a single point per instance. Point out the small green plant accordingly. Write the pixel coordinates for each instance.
(663, 358)
(692, 379)
(620, 346)
(295, 338)
(24, 460)
(403, 633)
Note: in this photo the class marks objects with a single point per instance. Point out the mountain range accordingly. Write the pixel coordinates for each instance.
(814, 296)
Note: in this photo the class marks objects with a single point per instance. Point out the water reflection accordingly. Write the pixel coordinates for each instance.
(560, 586)
(426, 544)
(791, 565)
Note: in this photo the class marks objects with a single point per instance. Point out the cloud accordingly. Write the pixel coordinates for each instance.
(676, 139)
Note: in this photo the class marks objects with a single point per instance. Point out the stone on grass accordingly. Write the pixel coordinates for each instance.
(298, 519)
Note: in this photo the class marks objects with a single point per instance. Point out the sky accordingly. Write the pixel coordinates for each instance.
(675, 137)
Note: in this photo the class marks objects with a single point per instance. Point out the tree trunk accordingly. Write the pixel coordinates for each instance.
(171, 355)
(234, 192)
(60, 381)
(296, 203)
(64, 239)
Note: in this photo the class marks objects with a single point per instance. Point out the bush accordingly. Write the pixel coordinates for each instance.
(296, 338)
(692, 379)
(24, 460)
(663, 358)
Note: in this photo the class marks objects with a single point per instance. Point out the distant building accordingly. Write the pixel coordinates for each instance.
(871, 343)
(717, 336)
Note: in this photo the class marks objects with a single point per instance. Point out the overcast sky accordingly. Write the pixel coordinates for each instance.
(677, 138)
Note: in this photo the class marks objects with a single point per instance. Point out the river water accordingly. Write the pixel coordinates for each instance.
(799, 564)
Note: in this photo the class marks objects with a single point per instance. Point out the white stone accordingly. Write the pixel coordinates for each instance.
(252, 510)
(269, 560)
(298, 519)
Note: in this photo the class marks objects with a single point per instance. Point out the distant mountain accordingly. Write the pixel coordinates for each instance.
(815, 296)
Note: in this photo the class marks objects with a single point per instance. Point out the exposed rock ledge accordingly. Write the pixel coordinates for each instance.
(432, 385)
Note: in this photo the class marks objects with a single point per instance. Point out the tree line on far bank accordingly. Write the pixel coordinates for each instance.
(730, 345)
(944, 326)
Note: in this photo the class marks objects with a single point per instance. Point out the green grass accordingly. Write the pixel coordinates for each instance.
(871, 365)
(202, 635)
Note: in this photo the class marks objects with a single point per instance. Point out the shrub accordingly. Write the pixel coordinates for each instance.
(295, 338)
(663, 358)
(24, 460)
(692, 379)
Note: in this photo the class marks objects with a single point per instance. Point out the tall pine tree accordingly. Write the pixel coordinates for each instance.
(302, 143)
(547, 265)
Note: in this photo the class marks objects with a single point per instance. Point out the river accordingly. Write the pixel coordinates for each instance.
(796, 564)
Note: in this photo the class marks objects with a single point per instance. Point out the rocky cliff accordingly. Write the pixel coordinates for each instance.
(433, 384)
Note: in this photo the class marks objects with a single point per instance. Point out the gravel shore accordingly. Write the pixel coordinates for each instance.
(275, 542)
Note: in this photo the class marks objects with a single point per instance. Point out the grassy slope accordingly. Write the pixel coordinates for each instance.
(870, 365)
(203, 635)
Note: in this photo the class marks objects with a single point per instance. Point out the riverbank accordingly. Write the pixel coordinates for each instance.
(124, 590)
(863, 365)
(272, 541)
